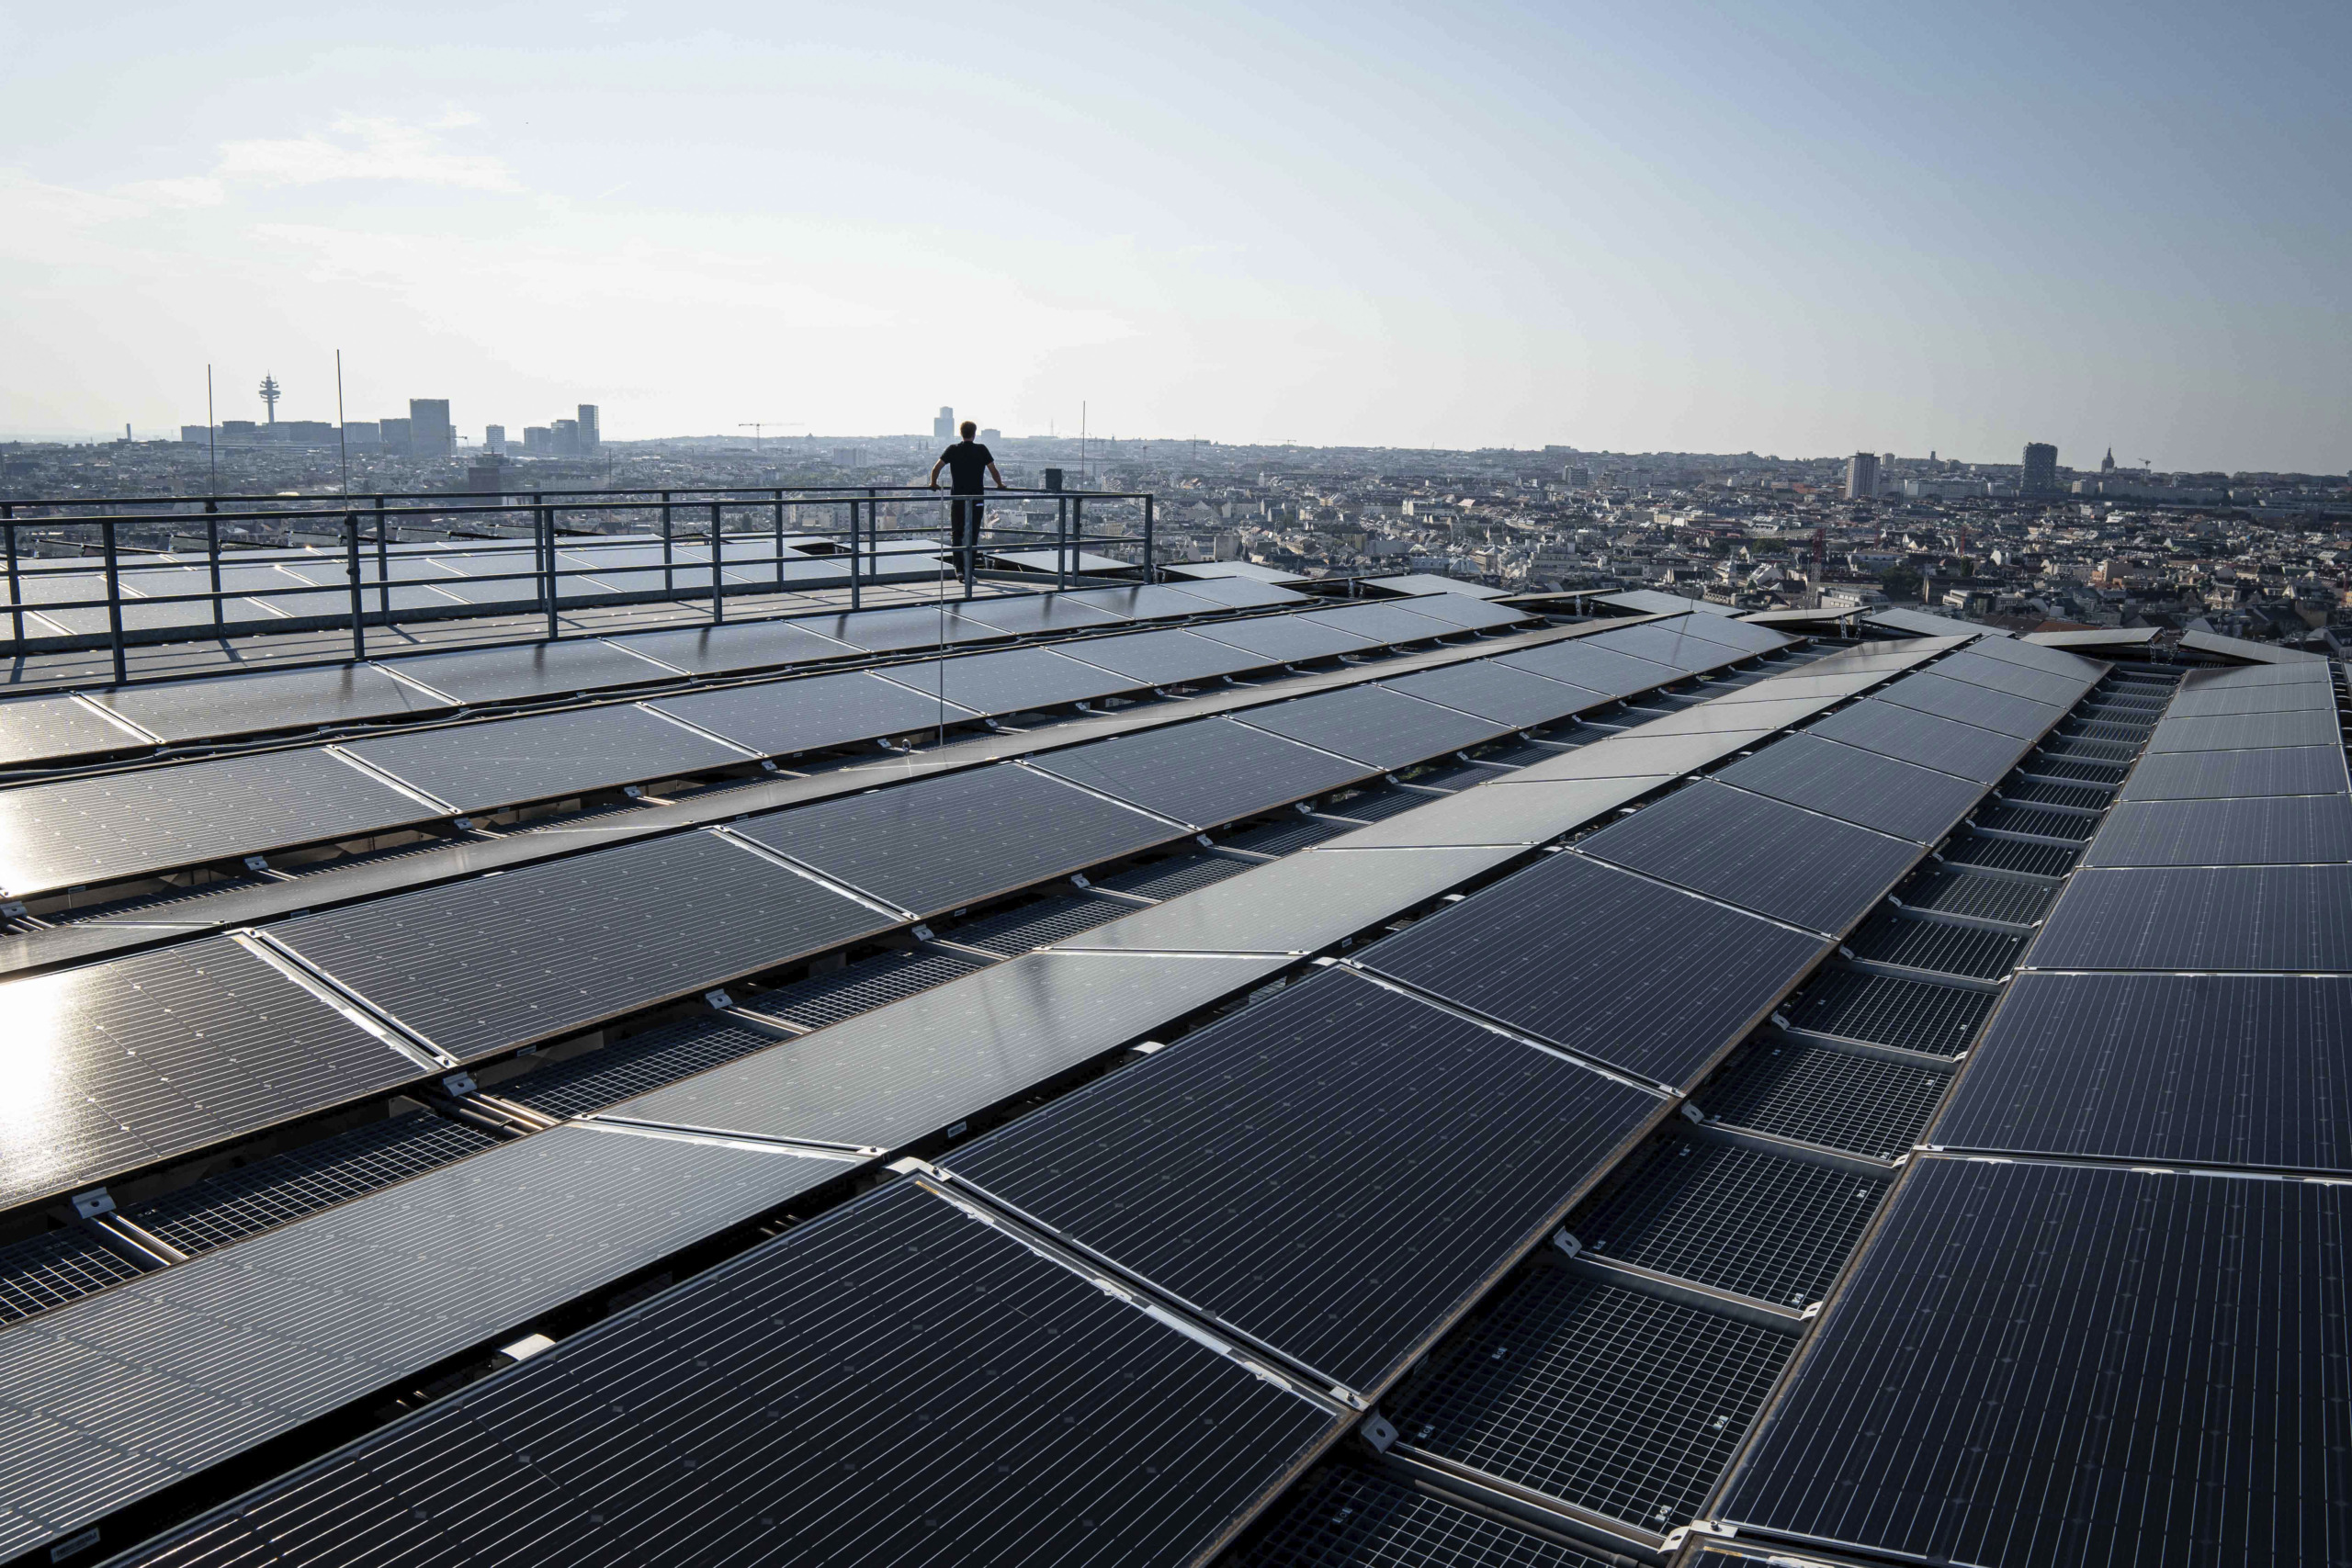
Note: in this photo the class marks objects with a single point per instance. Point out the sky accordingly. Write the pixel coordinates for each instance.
(1798, 229)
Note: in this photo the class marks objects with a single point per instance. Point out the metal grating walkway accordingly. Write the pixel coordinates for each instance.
(1985, 897)
(2010, 854)
(1819, 1095)
(2034, 792)
(1937, 945)
(2011, 818)
(859, 987)
(1737, 1219)
(1174, 877)
(1344, 1517)
(1913, 1014)
(2075, 768)
(1013, 931)
(1626, 1405)
(54, 1268)
(1285, 834)
(583, 1085)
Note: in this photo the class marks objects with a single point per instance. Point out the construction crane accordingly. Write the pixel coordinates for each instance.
(757, 425)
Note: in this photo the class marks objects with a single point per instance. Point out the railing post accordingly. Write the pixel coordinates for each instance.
(15, 587)
(1077, 528)
(717, 583)
(1147, 538)
(669, 582)
(779, 540)
(543, 536)
(853, 555)
(383, 564)
(358, 591)
(212, 558)
(114, 603)
(1061, 543)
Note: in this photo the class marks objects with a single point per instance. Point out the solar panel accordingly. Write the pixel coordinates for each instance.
(479, 767)
(2274, 830)
(1822, 686)
(1464, 613)
(1286, 639)
(781, 718)
(1523, 813)
(241, 1344)
(1722, 719)
(2289, 918)
(2001, 675)
(263, 700)
(1205, 772)
(1163, 658)
(102, 827)
(1670, 644)
(1638, 752)
(134, 1061)
(902, 1072)
(1343, 1518)
(940, 843)
(899, 628)
(2301, 671)
(1154, 603)
(1652, 602)
(1582, 662)
(892, 1380)
(1385, 624)
(2036, 656)
(43, 729)
(1299, 904)
(2244, 731)
(743, 645)
(1384, 729)
(1813, 871)
(1979, 705)
(1240, 593)
(1926, 624)
(1737, 634)
(534, 670)
(1436, 1152)
(1862, 787)
(1429, 583)
(1025, 614)
(532, 954)
(2213, 775)
(2205, 1070)
(1908, 735)
(2208, 701)
(1013, 680)
(1568, 950)
(2036, 1363)
(1494, 691)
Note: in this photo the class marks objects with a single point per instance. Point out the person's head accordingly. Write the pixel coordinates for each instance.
(969, 428)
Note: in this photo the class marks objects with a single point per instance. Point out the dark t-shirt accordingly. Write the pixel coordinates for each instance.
(967, 462)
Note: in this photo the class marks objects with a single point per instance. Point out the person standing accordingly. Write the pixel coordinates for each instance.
(966, 462)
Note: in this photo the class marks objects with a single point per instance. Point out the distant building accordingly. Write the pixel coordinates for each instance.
(592, 430)
(539, 441)
(2041, 470)
(944, 427)
(365, 433)
(565, 437)
(196, 435)
(989, 435)
(430, 434)
(307, 433)
(493, 440)
(241, 432)
(1862, 477)
(2106, 464)
(396, 435)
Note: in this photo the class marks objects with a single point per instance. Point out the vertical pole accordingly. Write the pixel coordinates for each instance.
(212, 557)
(113, 605)
(1147, 538)
(358, 592)
(717, 583)
(543, 532)
(1077, 528)
(669, 584)
(780, 538)
(853, 555)
(1061, 543)
(16, 594)
(383, 565)
(211, 437)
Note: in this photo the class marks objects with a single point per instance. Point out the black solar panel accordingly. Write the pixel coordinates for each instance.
(1205, 772)
(2035, 656)
(2214, 776)
(2000, 675)
(1010, 680)
(1382, 728)
(501, 961)
(1862, 787)
(1742, 635)
(230, 1205)
(1152, 602)
(944, 843)
(1979, 705)
(1343, 1518)
(1025, 614)
(1617, 1402)
(2236, 732)
(1463, 611)
(534, 670)
(246, 1342)
(2046, 1364)
(2206, 1069)
(1522, 814)
(1908, 735)
(1434, 1152)
(2275, 831)
(779, 717)
(1581, 662)
(1287, 639)
(889, 1076)
(1570, 950)
(56, 1266)
(1884, 1011)
(900, 628)
(477, 767)
(1817, 1095)
(2204, 700)
(1164, 658)
(744, 645)
(1513, 697)
(1665, 642)
(127, 1063)
(1299, 904)
(46, 729)
(1813, 871)
(258, 701)
(1241, 592)
(2280, 919)
(1735, 1218)
(1387, 623)
(109, 826)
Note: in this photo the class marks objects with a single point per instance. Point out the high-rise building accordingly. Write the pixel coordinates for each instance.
(429, 432)
(944, 427)
(2041, 472)
(2106, 464)
(539, 441)
(567, 437)
(591, 431)
(493, 440)
(989, 435)
(1861, 475)
(397, 436)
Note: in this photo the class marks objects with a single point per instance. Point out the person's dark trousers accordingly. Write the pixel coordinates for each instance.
(964, 523)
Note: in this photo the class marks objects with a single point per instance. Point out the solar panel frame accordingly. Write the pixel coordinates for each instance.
(480, 767)
(1386, 624)
(1516, 697)
(1911, 735)
(1862, 787)
(1204, 773)
(738, 644)
(1489, 813)
(1382, 729)
(2279, 919)
(1286, 639)
(2249, 731)
(1565, 951)
(1009, 681)
(1982, 706)
(2268, 830)
(1175, 1168)
(780, 718)
(2222, 775)
(1298, 905)
(476, 675)
(259, 701)
(1165, 657)
(1581, 662)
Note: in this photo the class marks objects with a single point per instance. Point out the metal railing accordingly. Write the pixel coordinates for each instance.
(710, 544)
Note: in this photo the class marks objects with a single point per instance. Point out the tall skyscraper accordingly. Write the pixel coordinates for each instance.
(1861, 475)
(429, 431)
(944, 427)
(591, 431)
(2041, 475)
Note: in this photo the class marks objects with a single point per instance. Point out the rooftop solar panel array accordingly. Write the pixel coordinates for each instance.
(1205, 772)
(1376, 726)
(1302, 904)
(1012, 681)
(483, 767)
(1345, 1517)
(1931, 741)
(1585, 663)
(1862, 787)
(1493, 690)
(1164, 658)
(779, 718)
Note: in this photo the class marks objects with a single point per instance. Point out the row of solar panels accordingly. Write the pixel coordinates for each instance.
(49, 731)
(161, 819)
(2116, 1331)
(1442, 1146)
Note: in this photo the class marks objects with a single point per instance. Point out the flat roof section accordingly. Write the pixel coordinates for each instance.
(780, 718)
(507, 761)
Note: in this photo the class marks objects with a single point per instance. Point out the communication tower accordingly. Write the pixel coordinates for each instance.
(269, 396)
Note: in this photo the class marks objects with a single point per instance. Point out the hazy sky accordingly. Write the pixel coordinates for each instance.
(1797, 228)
